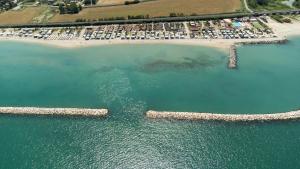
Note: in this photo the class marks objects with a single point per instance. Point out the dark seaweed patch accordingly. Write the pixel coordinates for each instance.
(186, 63)
(103, 69)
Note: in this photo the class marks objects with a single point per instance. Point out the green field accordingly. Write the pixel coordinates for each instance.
(22, 16)
(257, 25)
(155, 9)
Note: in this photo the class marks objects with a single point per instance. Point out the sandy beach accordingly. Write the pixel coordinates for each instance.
(285, 30)
(214, 43)
(217, 43)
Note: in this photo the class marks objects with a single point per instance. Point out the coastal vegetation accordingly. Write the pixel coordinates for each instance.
(131, 2)
(281, 19)
(260, 5)
(45, 15)
(297, 3)
(89, 2)
(71, 8)
(6, 5)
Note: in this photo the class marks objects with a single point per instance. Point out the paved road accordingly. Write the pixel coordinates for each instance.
(156, 20)
(247, 7)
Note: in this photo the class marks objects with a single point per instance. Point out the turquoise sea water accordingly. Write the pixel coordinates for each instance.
(131, 79)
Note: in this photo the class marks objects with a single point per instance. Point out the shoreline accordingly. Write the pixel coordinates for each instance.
(283, 31)
(71, 44)
(222, 44)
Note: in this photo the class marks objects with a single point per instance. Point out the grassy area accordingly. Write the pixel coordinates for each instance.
(293, 17)
(257, 25)
(45, 16)
(271, 5)
(110, 2)
(281, 19)
(155, 9)
(243, 8)
(21, 16)
(114, 2)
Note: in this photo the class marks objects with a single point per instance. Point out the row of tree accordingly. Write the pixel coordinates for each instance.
(90, 2)
(6, 4)
(297, 3)
(256, 3)
(115, 18)
(132, 2)
(176, 14)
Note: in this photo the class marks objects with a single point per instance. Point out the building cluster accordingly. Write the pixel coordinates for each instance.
(174, 30)
(43, 33)
(244, 28)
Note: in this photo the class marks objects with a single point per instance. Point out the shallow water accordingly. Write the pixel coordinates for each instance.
(131, 79)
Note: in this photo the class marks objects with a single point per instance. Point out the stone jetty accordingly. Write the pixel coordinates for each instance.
(232, 62)
(292, 115)
(276, 41)
(53, 111)
(233, 58)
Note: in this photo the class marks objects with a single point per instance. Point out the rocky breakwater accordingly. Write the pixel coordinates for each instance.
(292, 115)
(264, 41)
(232, 62)
(53, 111)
